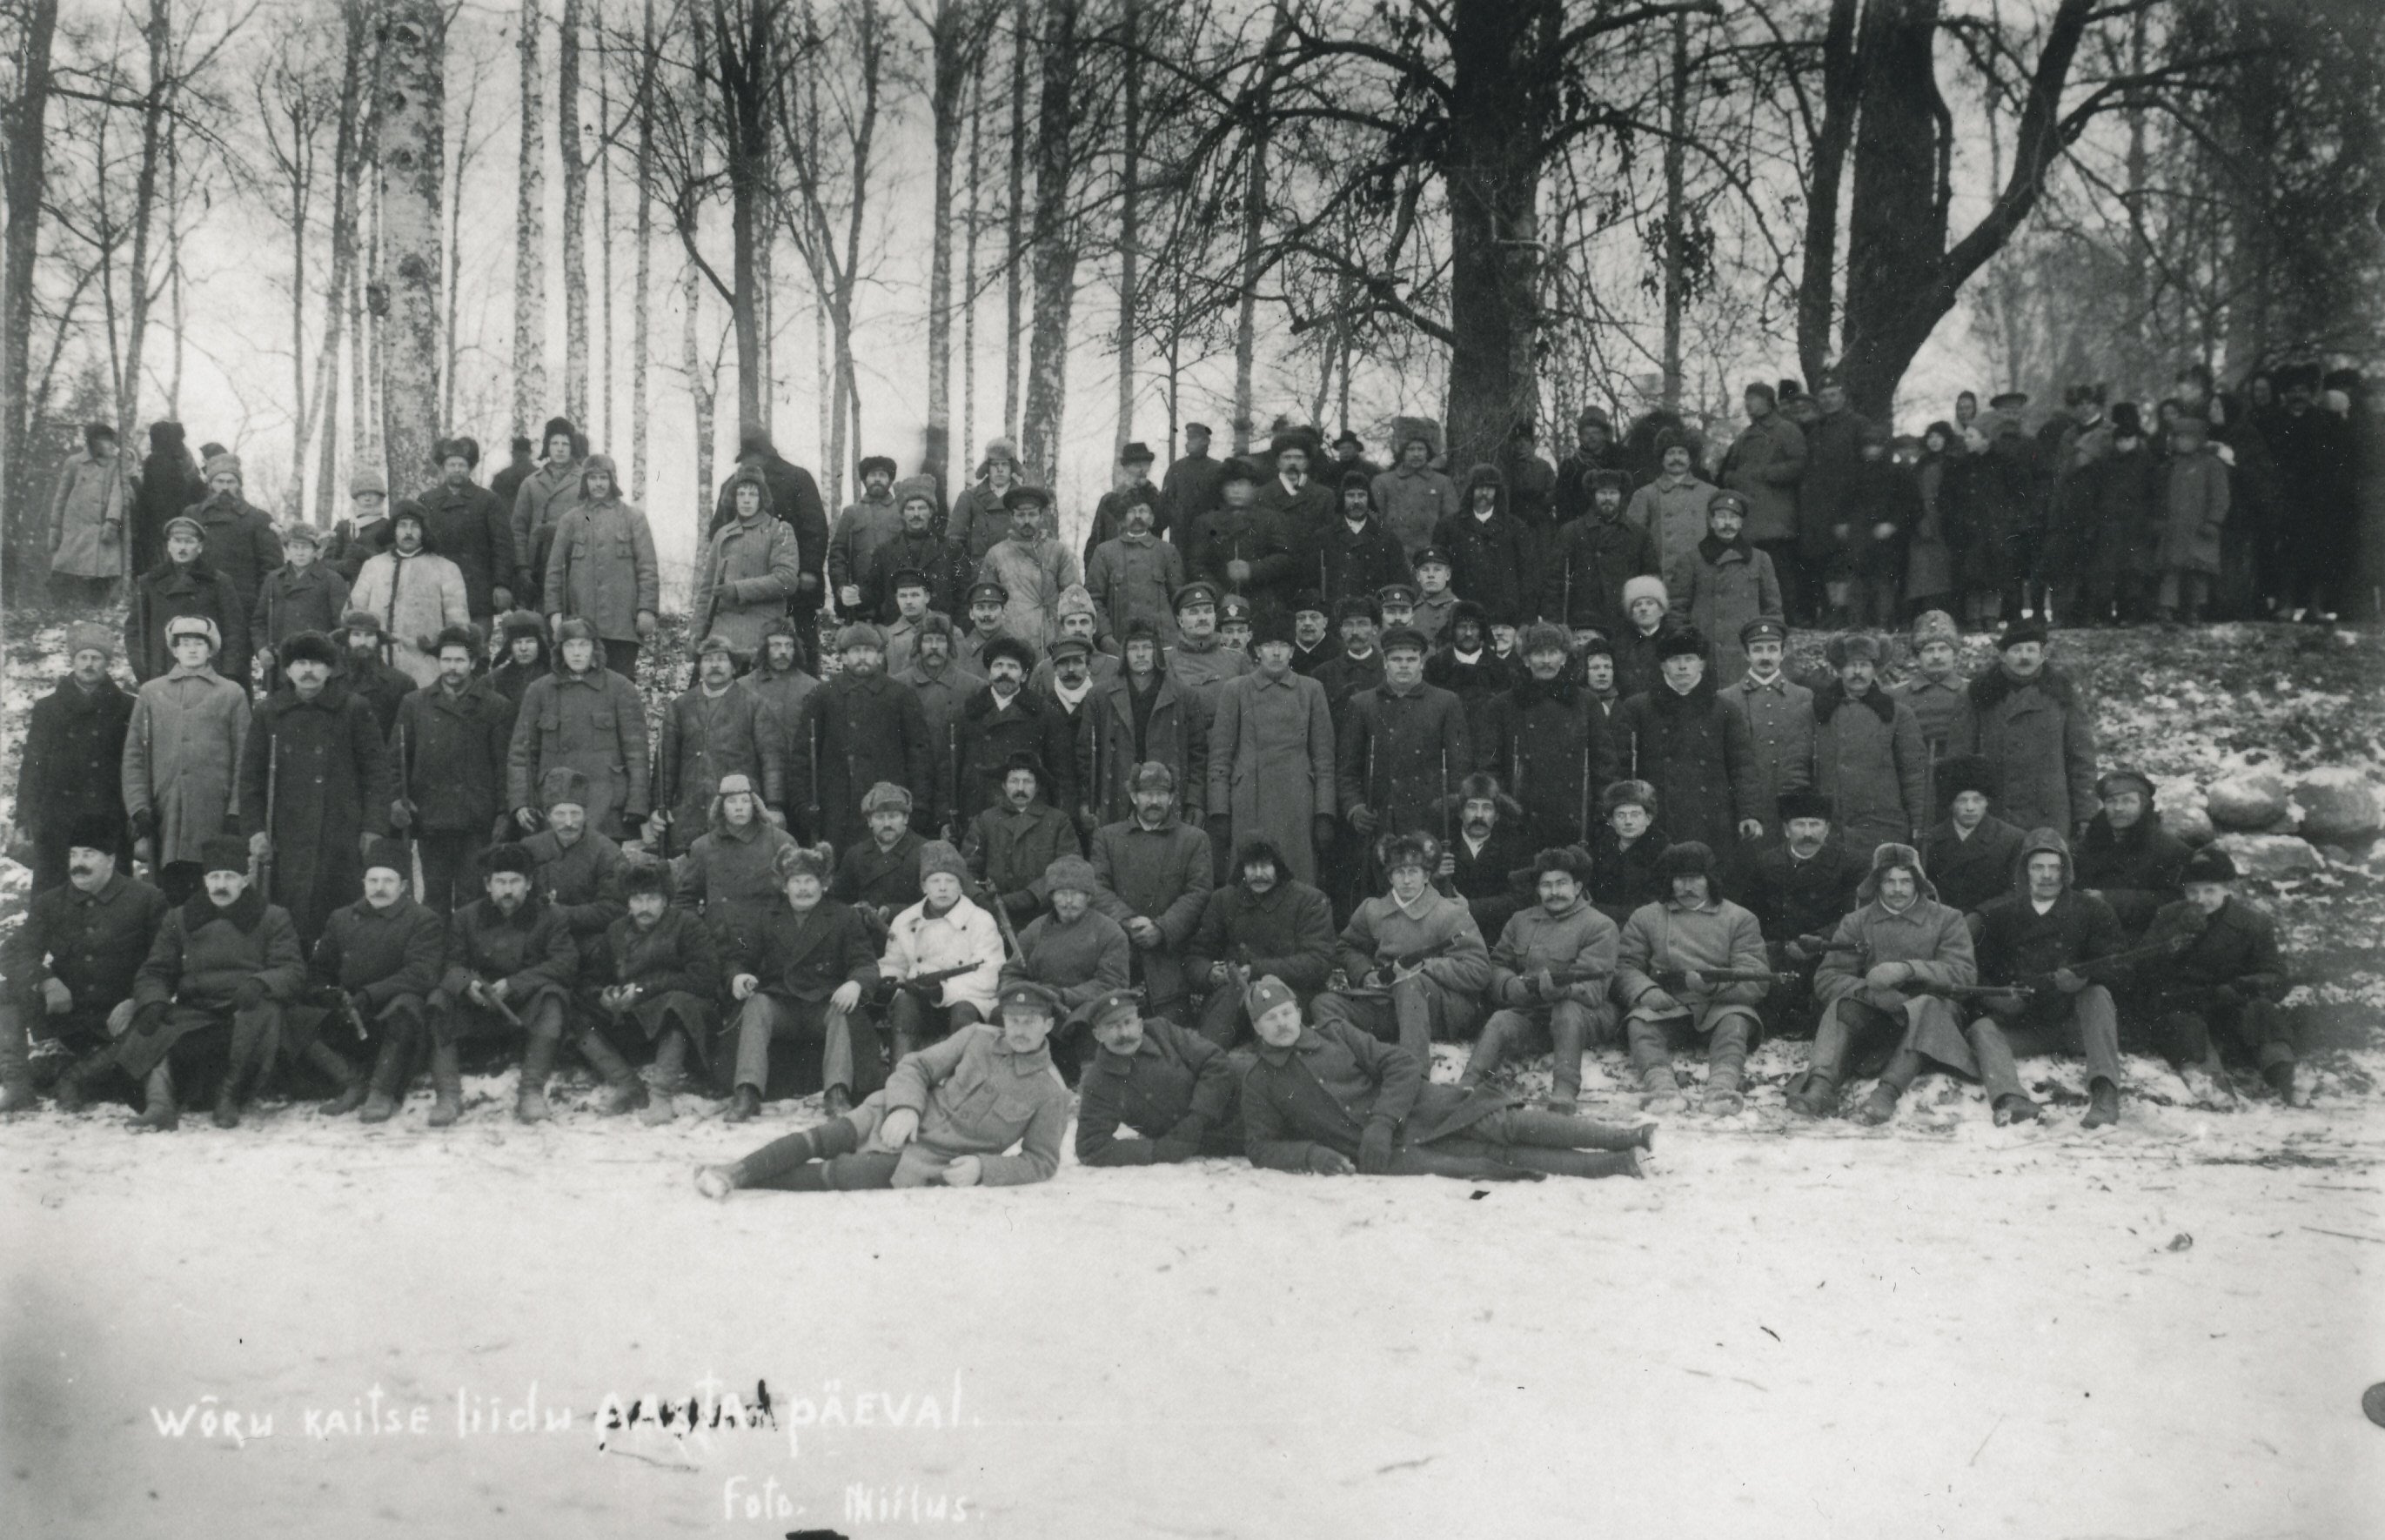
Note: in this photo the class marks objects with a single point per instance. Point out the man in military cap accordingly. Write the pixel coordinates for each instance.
(1197, 661)
(1153, 1093)
(986, 601)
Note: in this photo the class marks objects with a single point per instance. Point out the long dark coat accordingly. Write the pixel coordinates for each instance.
(1288, 931)
(706, 737)
(593, 723)
(167, 484)
(848, 735)
(382, 954)
(291, 601)
(324, 765)
(472, 528)
(1792, 898)
(2041, 737)
(92, 943)
(1328, 1086)
(167, 591)
(201, 956)
(531, 950)
(1968, 872)
(990, 733)
(1548, 745)
(1695, 750)
(807, 957)
(1491, 560)
(72, 769)
(675, 967)
(1400, 755)
(1177, 1086)
(455, 749)
(1358, 564)
(240, 543)
(1165, 874)
(1870, 762)
(1175, 733)
(1277, 549)
(2137, 869)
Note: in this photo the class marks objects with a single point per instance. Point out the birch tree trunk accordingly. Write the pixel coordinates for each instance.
(701, 391)
(968, 292)
(530, 238)
(1255, 206)
(642, 320)
(575, 220)
(455, 260)
(948, 80)
(173, 281)
(1130, 149)
(413, 161)
(27, 169)
(1056, 245)
(348, 172)
(603, 231)
(1676, 214)
(1014, 252)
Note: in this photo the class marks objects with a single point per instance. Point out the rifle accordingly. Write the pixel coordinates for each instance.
(272, 779)
(952, 752)
(1559, 978)
(1398, 966)
(1446, 885)
(499, 1005)
(993, 900)
(404, 783)
(815, 769)
(2042, 984)
(1672, 978)
(924, 985)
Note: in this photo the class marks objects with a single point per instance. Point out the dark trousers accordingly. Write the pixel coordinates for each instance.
(1789, 568)
(450, 868)
(82, 592)
(622, 659)
(2085, 1024)
(2190, 1033)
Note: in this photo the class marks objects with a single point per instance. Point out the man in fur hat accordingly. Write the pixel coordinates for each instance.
(801, 973)
(1414, 957)
(2035, 728)
(711, 730)
(729, 872)
(413, 591)
(447, 752)
(879, 876)
(1478, 865)
(2215, 997)
(943, 930)
(601, 567)
(69, 968)
(546, 494)
(1666, 950)
(470, 527)
(314, 785)
(365, 669)
(1681, 739)
(746, 575)
(1550, 974)
(854, 731)
(1969, 852)
(73, 764)
(867, 523)
(1266, 923)
(582, 717)
(578, 870)
(510, 968)
(1075, 951)
(1548, 739)
(242, 544)
(224, 965)
(1873, 1021)
(377, 964)
(1933, 691)
(657, 997)
(1870, 761)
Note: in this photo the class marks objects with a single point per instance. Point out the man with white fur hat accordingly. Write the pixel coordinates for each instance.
(182, 749)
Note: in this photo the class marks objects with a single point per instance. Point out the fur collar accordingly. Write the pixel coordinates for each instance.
(1530, 692)
(1830, 696)
(1713, 550)
(246, 912)
(1991, 688)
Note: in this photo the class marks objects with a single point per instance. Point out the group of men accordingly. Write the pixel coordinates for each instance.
(1419, 817)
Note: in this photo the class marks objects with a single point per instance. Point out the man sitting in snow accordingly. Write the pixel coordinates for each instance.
(2044, 933)
(1549, 976)
(1667, 950)
(1329, 1100)
(947, 1116)
(2220, 989)
(942, 933)
(1414, 958)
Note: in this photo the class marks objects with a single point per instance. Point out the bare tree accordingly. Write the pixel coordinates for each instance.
(575, 218)
(529, 234)
(1014, 248)
(959, 32)
(413, 34)
(26, 163)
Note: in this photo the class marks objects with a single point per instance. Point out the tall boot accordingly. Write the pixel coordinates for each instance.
(623, 1091)
(388, 1084)
(15, 1069)
(250, 1044)
(1562, 1131)
(74, 1086)
(446, 1086)
(664, 1079)
(791, 1162)
(157, 1108)
(321, 1056)
(538, 1062)
(1574, 1162)
(2102, 1104)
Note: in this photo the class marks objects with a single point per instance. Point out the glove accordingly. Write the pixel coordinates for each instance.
(250, 994)
(1171, 1149)
(149, 1018)
(401, 814)
(1321, 830)
(145, 824)
(1325, 1160)
(501, 598)
(1375, 1149)
(646, 625)
(56, 997)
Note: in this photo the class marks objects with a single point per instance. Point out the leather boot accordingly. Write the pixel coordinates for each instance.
(538, 1062)
(388, 1082)
(1813, 1095)
(1879, 1106)
(2102, 1104)
(624, 1091)
(323, 1057)
(1576, 1162)
(669, 1076)
(745, 1106)
(446, 1086)
(2012, 1107)
(157, 1108)
(74, 1087)
(2278, 1077)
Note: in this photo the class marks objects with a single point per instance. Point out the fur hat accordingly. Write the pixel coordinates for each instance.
(1142, 628)
(1679, 642)
(390, 856)
(802, 860)
(1072, 873)
(466, 449)
(999, 449)
(937, 856)
(1152, 775)
(1570, 859)
(1241, 469)
(300, 532)
(875, 462)
(90, 636)
(1274, 625)
(558, 425)
(224, 853)
(1627, 794)
(735, 784)
(1024, 497)
(1689, 859)
(194, 625)
(1075, 599)
(560, 785)
(1356, 606)
(1395, 851)
(2021, 629)
(1893, 854)
(1480, 786)
(1544, 636)
(1644, 586)
(1265, 995)
(574, 629)
(1803, 804)
(1934, 625)
(1958, 773)
(219, 464)
(886, 796)
(646, 874)
(1004, 644)
(465, 636)
(1607, 476)
(1848, 645)
(2208, 864)
(521, 622)
(2120, 780)
(307, 646)
(1029, 760)
(410, 510)
(509, 857)
(95, 831)
(1594, 643)
(861, 634)
(364, 619)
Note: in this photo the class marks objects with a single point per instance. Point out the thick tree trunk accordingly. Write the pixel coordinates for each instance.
(28, 173)
(301, 183)
(173, 282)
(1833, 133)
(949, 74)
(1014, 254)
(1503, 103)
(1129, 150)
(968, 292)
(530, 407)
(1677, 124)
(604, 383)
(642, 317)
(575, 220)
(159, 33)
(1255, 206)
(1055, 246)
(746, 71)
(413, 161)
(347, 179)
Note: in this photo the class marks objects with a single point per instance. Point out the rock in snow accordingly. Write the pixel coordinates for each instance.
(2185, 811)
(2252, 798)
(2339, 805)
(2271, 856)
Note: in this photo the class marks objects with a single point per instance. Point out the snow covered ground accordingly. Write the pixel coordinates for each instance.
(1934, 1328)
(1938, 1328)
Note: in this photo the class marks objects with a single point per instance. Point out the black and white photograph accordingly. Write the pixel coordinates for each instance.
(1259, 769)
